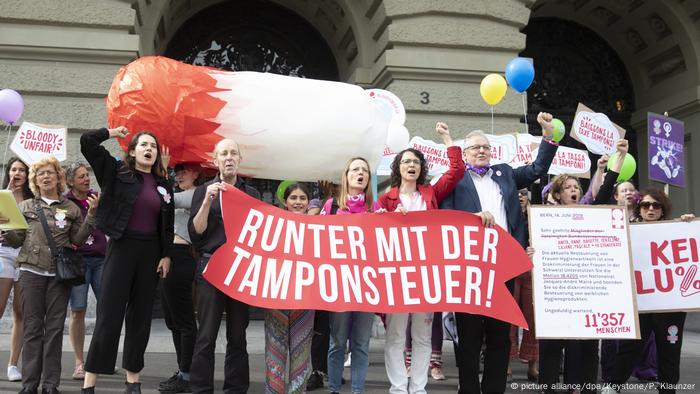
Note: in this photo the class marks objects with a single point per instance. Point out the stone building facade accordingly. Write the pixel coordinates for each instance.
(623, 57)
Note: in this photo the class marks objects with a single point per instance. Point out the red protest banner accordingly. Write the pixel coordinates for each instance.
(423, 261)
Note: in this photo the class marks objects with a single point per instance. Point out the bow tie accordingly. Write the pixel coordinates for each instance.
(479, 170)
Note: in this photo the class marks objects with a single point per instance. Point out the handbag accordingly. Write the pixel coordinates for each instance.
(70, 269)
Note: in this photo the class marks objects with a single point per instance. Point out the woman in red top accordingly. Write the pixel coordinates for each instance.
(410, 193)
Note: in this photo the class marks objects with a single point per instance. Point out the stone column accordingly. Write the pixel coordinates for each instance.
(433, 55)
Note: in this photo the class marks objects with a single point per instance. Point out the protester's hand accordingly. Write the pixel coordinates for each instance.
(165, 157)
(688, 217)
(603, 162)
(530, 252)
(487, 218)
(214, 189)
(545, 120)
(622, 146)
(93, 203)
(401, 208)
(327, 189)
(13, 184)
(444, 131)
(118, 132)
(380, 210)
(163, 267)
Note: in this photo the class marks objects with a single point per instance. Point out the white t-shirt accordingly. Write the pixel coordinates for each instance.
(413, 202)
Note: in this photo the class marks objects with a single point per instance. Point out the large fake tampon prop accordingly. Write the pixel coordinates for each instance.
(287, 127)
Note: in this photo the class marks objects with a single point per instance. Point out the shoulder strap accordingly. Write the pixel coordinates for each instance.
(334, 206)
(47, 232)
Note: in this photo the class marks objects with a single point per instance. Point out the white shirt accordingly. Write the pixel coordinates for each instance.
(490, 196)
(414, 202)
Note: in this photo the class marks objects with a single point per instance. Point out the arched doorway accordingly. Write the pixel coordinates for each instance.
(573, 64)
(254, 36)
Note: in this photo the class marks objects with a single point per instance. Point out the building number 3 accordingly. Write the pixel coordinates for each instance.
(425, 98)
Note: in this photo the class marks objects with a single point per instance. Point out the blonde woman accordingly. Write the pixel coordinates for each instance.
(355, 197)
(45, 299)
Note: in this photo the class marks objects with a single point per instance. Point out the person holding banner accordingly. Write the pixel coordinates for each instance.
(667, 327)
(408, 193)
(44, 297)
(15, 180)
(288, 333)
(136, 211)
(206, 228)
(355, 197)
(567, 191)
(491, 192)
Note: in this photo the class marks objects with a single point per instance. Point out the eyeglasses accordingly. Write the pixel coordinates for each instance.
(478, 147)
(411, 161)
(46, 173)
(650, 204)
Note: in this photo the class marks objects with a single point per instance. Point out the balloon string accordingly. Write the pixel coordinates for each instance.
(527, 130)
(4, 157)
(492, 119)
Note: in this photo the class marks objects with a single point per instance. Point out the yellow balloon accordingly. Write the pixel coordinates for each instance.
(493, 88)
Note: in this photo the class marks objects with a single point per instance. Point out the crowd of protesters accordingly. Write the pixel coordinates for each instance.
(140, 237)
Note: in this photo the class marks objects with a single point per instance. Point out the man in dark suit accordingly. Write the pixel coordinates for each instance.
(491, 192)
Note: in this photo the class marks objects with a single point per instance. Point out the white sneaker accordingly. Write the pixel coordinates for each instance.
(607, 389)
(348, 362)
(13, 373)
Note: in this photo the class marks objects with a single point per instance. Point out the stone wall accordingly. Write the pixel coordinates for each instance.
(62, 56)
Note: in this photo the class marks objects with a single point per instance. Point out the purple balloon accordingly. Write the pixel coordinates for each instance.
(11, 105)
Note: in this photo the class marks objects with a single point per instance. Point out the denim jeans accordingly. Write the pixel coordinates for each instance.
(93, 277)
(358, 327)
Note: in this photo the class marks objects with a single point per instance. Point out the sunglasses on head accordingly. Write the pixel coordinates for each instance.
(650, 204)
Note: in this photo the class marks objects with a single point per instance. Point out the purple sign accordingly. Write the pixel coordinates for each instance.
(666, 149)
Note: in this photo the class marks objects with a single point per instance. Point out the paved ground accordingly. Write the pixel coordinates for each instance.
(160, 363)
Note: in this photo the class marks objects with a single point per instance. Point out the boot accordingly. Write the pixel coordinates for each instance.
(89, 390)
(133, 388)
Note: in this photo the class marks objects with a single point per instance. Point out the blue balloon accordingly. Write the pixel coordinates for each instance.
(520, 73)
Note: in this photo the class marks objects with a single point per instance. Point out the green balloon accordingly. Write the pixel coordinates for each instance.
(629, 166)
(281, 189)
(559, 130)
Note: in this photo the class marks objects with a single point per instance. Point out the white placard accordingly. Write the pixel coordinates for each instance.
(571, 161)
(595, 130)
(384, 166)
(666, 256)
(34, 142)
(503, 148)
(566, 161)
(435, 156)
(527, 150)
(582, 275)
